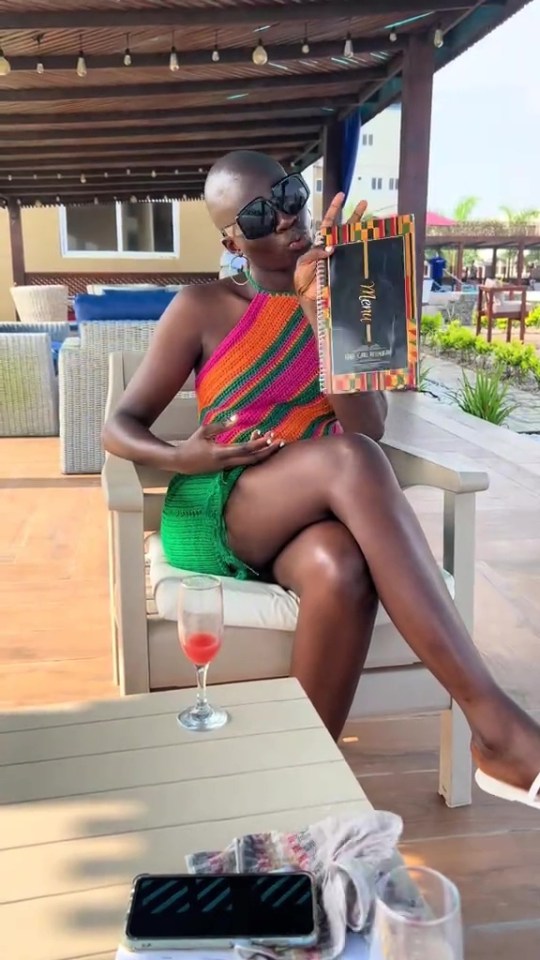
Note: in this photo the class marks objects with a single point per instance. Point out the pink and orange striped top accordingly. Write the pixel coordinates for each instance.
(266, 371)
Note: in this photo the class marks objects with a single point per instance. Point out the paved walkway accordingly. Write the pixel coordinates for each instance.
(507, 605)
(444, 378)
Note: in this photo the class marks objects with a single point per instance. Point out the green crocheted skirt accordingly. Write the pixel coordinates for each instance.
(193, 530)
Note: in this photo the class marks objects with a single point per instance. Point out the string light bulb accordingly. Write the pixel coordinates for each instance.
(348, 49)
(216, 57)
(305, 45)
(83, 178)
(173, 58)
(5, 66)
(127, 61)
(40, 66)
(438, 38)
(260, 54)
(153, 174)
(82, 69)
(392, 36)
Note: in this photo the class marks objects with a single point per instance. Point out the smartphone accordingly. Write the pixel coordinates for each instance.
(187, 912)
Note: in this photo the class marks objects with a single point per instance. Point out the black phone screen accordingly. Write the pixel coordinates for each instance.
(249, 906)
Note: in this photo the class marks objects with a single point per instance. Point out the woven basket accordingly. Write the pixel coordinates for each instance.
(47, 304)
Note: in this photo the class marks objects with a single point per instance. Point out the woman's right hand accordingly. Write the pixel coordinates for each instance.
(201, 454)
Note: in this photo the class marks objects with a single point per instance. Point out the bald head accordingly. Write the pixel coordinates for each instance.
(237, 178)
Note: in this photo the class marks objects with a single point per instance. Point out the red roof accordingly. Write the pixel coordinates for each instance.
(437, 220)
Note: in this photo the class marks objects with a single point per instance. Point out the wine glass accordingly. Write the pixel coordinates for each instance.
(200, 630)
(417, 917)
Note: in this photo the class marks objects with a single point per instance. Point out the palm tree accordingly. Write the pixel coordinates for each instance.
(464, 209)
(528, 215)
(462, 214)
(515, 218)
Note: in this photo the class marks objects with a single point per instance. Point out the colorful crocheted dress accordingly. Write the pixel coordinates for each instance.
(266, 371)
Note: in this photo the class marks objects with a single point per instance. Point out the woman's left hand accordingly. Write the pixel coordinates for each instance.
(305, 275)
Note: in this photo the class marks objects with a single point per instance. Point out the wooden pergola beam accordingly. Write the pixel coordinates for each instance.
(234, 109)
(48, 178)
(179, 88)
(418, 71)
(160, 155)
(199, 16)
(173, 192)
(248, 128)
(17, 244)
(197, 157)
(232, 56)
(173, 188)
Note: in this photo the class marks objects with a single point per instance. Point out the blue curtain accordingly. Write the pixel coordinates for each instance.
(351, 127)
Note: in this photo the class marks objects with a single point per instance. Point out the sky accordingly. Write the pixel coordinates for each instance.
(485, 135)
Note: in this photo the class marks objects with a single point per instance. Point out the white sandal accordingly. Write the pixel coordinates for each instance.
(497, 788)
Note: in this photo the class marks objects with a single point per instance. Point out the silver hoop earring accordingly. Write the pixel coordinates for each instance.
(239, 283)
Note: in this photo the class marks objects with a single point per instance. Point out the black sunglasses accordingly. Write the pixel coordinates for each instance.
(258, 218)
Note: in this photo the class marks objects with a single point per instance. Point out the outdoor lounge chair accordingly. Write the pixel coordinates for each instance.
(498, 302)
(260, 618)
(28, 390)
(83, 377)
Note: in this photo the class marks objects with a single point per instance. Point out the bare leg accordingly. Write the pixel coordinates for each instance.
(350, 479)
(338, 604)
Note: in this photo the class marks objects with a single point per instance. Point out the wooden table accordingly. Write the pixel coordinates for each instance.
(98, 792)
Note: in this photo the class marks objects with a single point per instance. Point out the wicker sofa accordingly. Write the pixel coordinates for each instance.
(83, 378)
(260, 618)
(28, 389)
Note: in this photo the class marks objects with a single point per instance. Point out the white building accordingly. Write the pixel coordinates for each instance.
(376, 174)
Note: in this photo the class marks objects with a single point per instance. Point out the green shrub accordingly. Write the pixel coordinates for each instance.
(430, 325)
(423, 375)
(518, 356)
(509, 358)
(456, 337)
(485, 398)
(533, 320)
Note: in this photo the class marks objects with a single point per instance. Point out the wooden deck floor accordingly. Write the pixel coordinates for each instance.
(54, 646)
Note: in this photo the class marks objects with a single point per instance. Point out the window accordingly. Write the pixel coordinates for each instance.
(367, 139)
(318, 186)
(376, 183)
(120, 230)
(393, 183)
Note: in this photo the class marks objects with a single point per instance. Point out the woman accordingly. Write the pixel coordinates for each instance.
(325, 517)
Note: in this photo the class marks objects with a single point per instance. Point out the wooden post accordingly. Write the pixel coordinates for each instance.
(17, 245)
(417, 96)
(332, 150)
(520, 261)
(494, 259)
(459, 265)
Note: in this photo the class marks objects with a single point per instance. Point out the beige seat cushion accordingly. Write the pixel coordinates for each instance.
(248, 603)
(507, 306)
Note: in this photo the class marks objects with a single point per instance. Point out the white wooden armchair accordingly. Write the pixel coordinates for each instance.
(260, 618)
